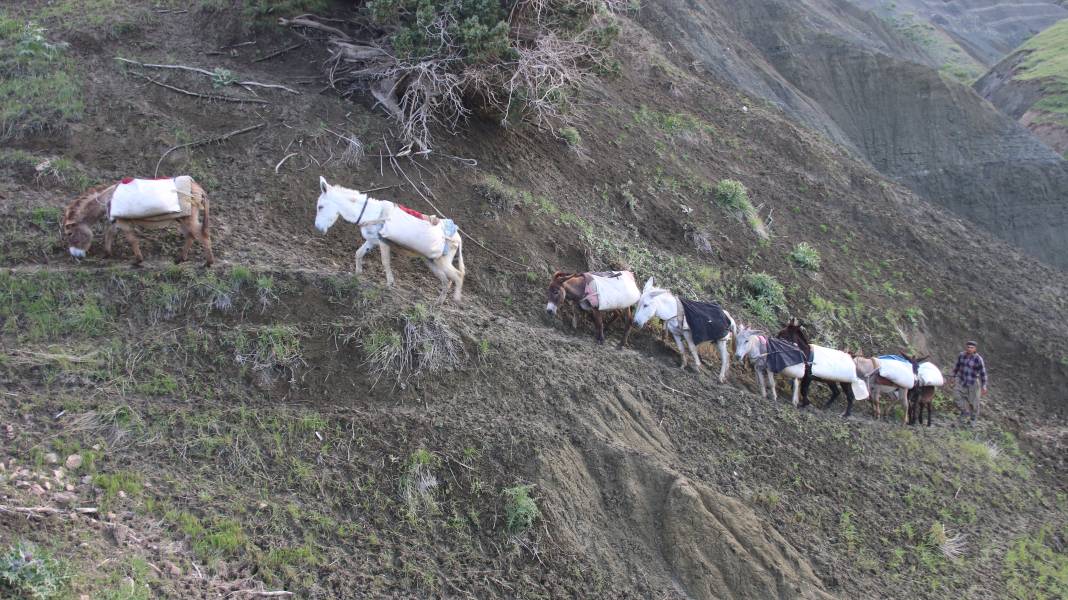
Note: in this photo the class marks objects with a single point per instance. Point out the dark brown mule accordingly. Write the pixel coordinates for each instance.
(794, 332)
(570, 289)
(920, 396)
(87, 209)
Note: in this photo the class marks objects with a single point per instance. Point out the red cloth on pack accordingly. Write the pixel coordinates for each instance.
(414, 213)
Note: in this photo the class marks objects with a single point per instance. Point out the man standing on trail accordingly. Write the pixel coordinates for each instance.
(969, 375)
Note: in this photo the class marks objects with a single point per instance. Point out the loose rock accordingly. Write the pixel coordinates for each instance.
(74, 461)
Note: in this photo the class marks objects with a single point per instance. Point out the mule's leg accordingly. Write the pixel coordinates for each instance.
(361, 252)
(693, 350)
(187, 243)
(806, 384)
(385, 251)
(456, 275)
(903, 394)
(849, 399)
(724, 360)
(109, 238)
(760, 381)
(628, 320)
(204, 237)
(771, 384)
(834, 394)
(598, 322)
(439, 271)
(131, 237)
(797, 391)
(682, 348)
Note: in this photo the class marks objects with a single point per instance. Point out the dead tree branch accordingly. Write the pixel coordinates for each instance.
(211, 74)
(199, 95)
(212, 140)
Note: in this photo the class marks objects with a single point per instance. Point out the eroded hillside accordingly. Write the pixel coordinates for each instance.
(264, 425)
(859, 78)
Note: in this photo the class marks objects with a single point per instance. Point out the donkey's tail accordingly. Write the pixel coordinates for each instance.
(207, 213)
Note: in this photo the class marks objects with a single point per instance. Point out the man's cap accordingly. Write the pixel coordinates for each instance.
(971, 343)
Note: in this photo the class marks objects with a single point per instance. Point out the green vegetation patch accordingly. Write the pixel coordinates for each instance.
(767, 297)
(806, 256)
(38, 91)
(520, 508)
(1036, 567)
(1047, 59)
(28, 572)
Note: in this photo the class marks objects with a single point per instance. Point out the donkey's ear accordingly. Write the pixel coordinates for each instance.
(323, 185)
(649, 283)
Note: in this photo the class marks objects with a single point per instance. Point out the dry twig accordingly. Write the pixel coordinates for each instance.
(199, 95)
(211, 140)
(212, 74)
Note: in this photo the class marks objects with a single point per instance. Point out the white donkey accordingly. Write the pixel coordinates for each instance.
(752, 344)
(370, 215)
(661, 303)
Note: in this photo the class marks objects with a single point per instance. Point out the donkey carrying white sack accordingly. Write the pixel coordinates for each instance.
(376, 218)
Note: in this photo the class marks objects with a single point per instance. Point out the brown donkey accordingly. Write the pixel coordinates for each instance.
(570, 288)
(87, 209)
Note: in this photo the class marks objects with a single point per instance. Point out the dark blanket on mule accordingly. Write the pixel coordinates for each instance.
(707, 321)
(782, 354)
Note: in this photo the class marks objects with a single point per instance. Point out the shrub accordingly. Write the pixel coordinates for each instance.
(732, 194)
(26, 572)
(766, 296)
(571, 136)
(521, 510)
(444, 58)
(806, 257)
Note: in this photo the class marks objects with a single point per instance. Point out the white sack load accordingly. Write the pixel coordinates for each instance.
(414, 233)
(144, 198)
(613, 293)
(835, 365)
(930, 375)
(899, 372)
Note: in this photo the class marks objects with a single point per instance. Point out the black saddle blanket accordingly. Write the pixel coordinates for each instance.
(707, 321)
(782, 354)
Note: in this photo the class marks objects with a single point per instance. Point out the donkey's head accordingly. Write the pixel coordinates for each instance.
(78, 218)
(650, 303)
(334, 201)
(556, 294)
(745, 342)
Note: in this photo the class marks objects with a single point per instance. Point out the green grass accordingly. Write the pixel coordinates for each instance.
(1047, 59)
(733, 195)
(38, 90)
(1036, 567)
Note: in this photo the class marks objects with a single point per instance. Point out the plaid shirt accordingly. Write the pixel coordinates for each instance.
(969, 368)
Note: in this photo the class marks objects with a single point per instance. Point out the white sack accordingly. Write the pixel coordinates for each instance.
(833, 365)
(144, 198)
(930, 375)
(899, 372)
(414, 233)
(615, 293)
(860, 390)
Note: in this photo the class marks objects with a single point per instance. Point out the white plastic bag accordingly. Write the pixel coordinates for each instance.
(930, 375)
(615, 293)
(144, 198)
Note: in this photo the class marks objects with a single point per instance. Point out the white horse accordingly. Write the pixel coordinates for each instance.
(662, 304)
(370, 215)
(752, 344)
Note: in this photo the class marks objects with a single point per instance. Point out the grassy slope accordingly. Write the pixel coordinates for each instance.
(1047, 60)
(229, 423)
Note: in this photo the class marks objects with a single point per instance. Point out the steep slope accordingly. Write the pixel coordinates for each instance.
(261, 425)
(987, 30)
(1031, 86)
(848, 73)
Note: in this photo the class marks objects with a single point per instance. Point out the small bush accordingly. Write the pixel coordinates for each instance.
(26, 572)
(806, 256)
(732, 194)
(571, 136)
(521, 510)
(766, 296)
